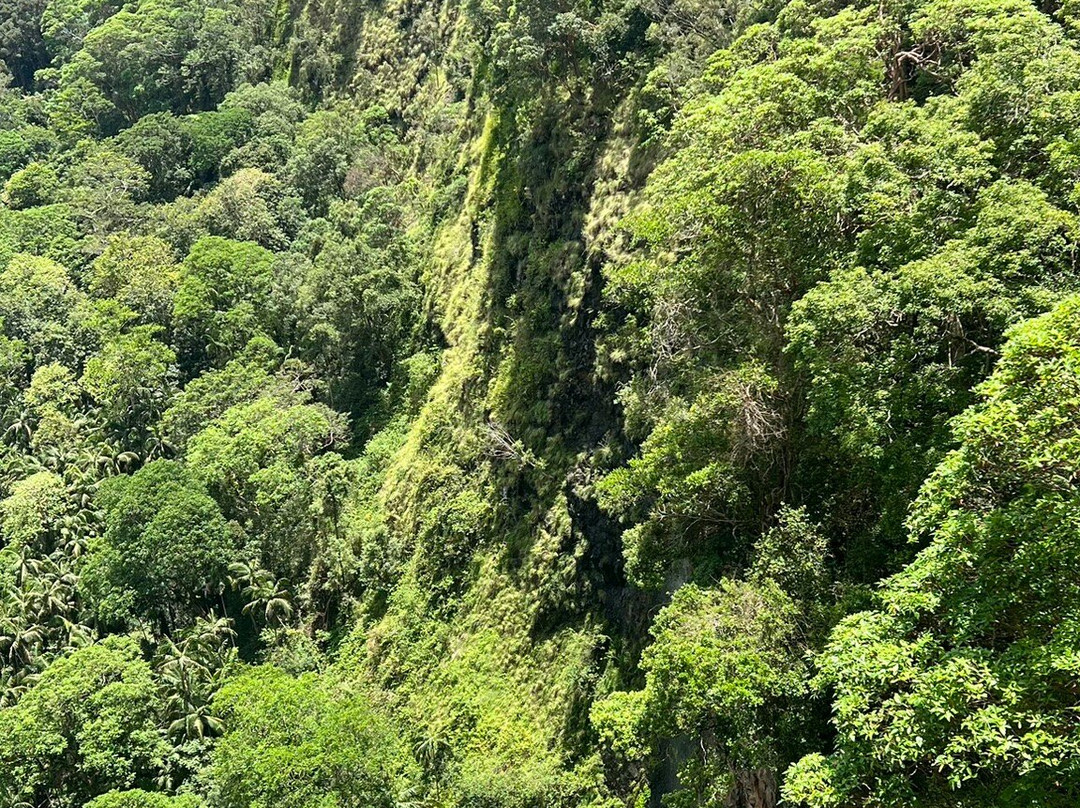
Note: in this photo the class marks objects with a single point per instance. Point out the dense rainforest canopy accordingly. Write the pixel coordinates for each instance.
(519, 404)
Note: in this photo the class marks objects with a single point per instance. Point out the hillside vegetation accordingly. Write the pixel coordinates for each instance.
(520, 404)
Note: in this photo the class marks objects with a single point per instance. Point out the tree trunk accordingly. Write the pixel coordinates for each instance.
(754, 788)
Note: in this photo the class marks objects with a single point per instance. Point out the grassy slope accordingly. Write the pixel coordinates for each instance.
(505, 581)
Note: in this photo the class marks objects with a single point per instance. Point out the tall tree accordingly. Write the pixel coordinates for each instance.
(959, 688)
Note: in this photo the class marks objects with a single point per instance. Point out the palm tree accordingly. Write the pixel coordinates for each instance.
(190, 671)
(266, 595)
(431, 752)
(21, 642)
(73, 634)
(20, 431)
(13, 686)
(195, 721)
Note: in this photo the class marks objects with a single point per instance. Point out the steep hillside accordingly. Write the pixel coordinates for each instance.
(625, 402)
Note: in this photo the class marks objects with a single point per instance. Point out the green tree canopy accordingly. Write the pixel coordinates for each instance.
(89, 725)
(958, 688)
(298, 743)
(165, 549)
(222, 300)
